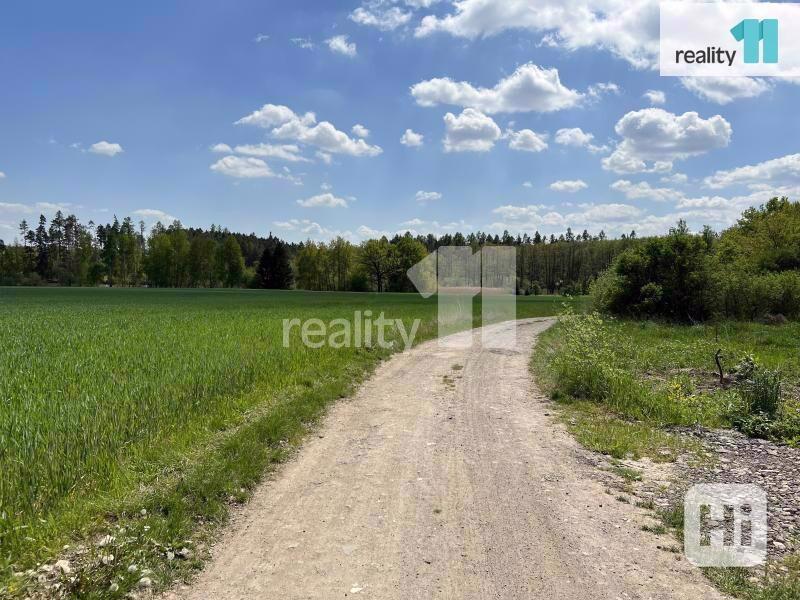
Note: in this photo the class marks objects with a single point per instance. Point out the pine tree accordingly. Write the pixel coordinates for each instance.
(282, 276)
(274, 269)
(265, 268)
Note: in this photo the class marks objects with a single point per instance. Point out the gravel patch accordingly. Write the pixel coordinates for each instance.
(776, 469)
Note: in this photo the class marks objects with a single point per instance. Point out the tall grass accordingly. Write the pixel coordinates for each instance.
(588, 362)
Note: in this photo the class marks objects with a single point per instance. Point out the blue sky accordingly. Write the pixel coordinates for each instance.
(532, 116)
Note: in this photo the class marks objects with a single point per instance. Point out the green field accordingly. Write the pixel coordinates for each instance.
(172, 401)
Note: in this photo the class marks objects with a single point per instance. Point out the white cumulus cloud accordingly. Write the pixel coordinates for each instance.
(529, 88)
(359, 130)
(369, 233)
(412, 139)
(153, 215)
(568, 185)
(105, 148)
(285, 124)
(287, 152)
(675, 178)
(327, 200)
(312, 229)
(653, 134)
(423, 197)
(385, 19)
(471, 131)
(644, 191)
(527, 140)
(578, 138)
(783, 169)
(723, 90)
(655, 96)
(242, 168)
(340, 45)
(610, 217)
(629, 30)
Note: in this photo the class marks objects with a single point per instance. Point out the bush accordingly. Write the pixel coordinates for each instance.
(761, 411)
(31, 279)
(359, 282)
(570, 289)
(605, 292)
(667, 277)
(759, 425)
(762, 392)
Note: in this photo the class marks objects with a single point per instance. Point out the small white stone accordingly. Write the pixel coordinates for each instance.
(63, 566)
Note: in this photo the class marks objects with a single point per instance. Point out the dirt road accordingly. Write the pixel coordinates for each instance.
(443, 478)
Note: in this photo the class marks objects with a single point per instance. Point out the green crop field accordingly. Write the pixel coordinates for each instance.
(114, 400)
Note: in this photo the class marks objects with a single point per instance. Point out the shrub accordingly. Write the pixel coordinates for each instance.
(32, 279)
(785, 430)
(745, 369)
(359, 282)
(761, 411)
(667, 277)
(762, 392)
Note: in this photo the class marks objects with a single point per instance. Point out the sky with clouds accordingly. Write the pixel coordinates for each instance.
(312, 119)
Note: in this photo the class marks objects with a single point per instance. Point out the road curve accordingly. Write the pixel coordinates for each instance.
(443, 477)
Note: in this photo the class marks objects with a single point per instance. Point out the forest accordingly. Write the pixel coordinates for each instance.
(122, 253)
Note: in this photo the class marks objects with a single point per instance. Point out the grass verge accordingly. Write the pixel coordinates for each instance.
(620, 386)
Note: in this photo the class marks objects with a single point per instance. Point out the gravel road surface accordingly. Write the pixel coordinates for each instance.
(443, 477)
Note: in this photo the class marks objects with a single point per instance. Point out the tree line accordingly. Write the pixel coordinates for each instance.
(750, 271)
(123, 253)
